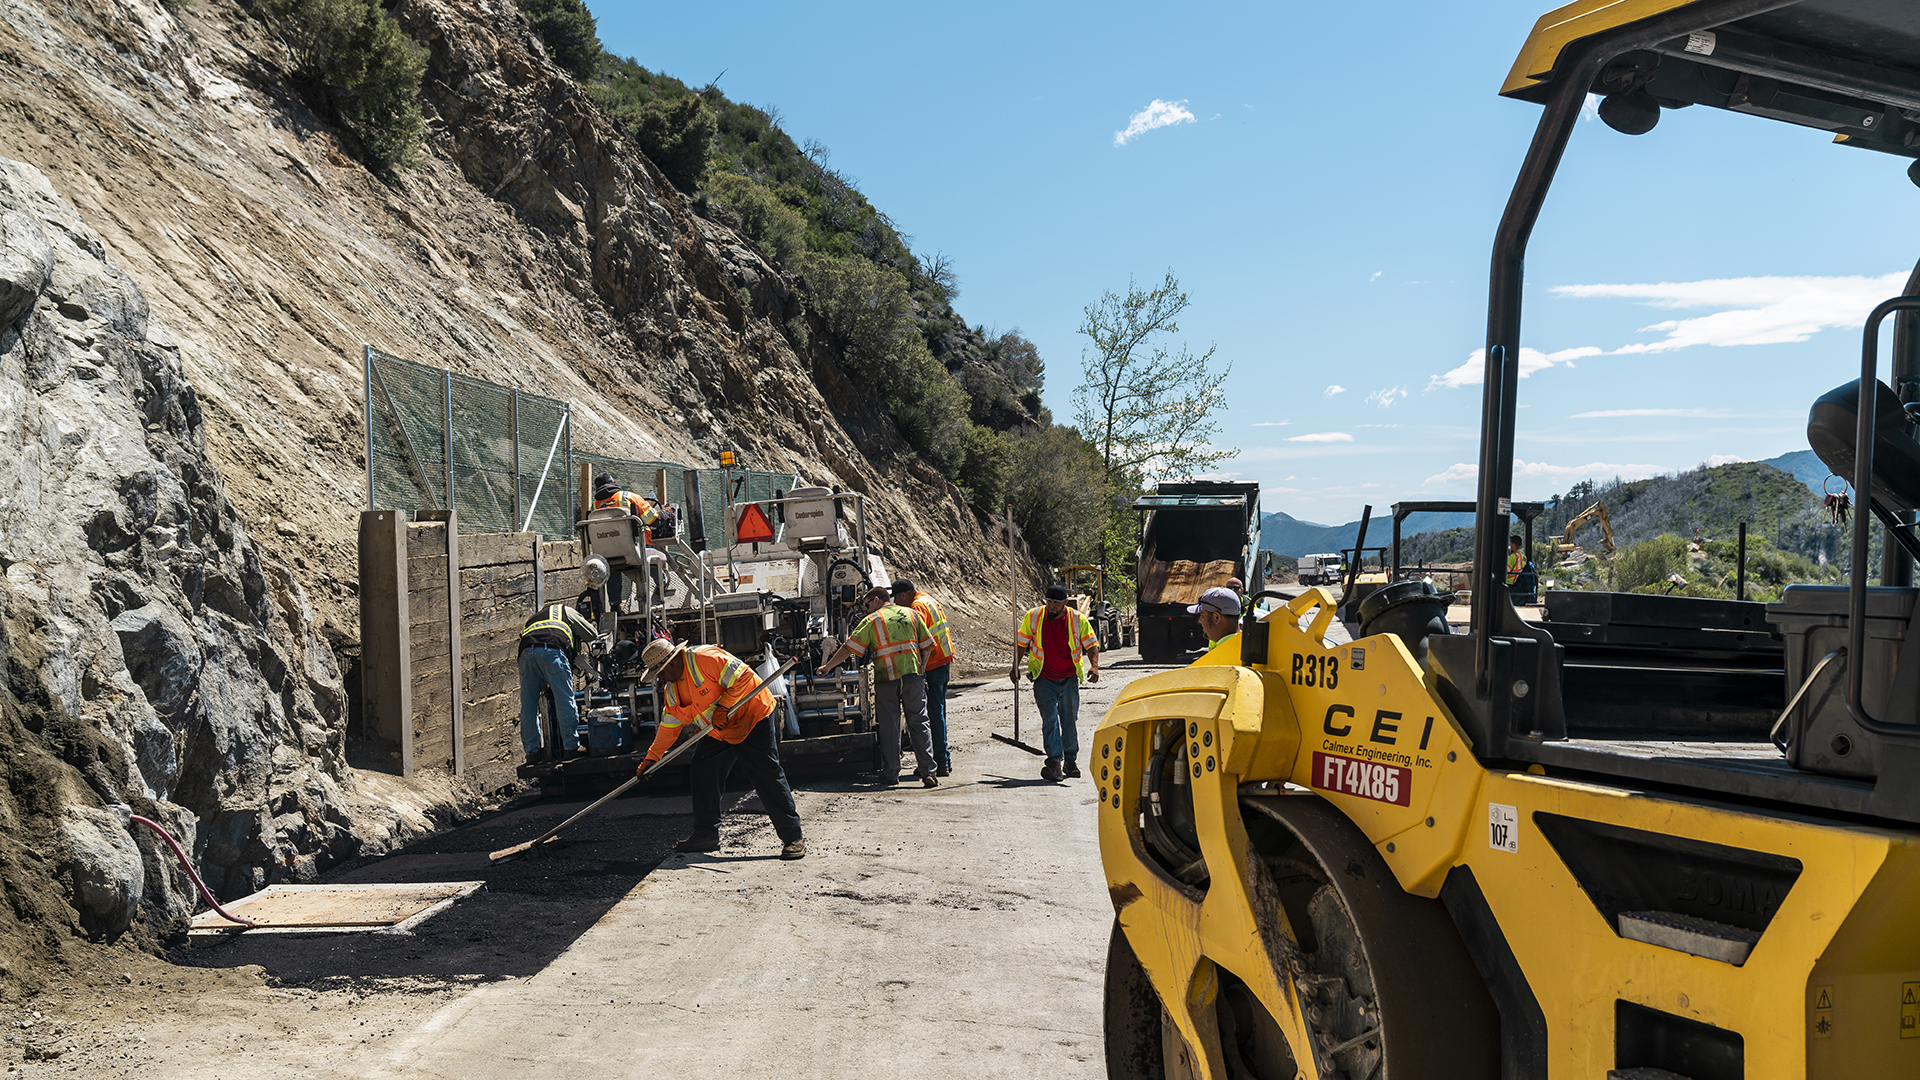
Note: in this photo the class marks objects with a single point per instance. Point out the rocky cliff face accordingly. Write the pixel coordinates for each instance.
(189, 266)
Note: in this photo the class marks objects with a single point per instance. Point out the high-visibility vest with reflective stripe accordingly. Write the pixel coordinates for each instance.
(1516, 562)
(892, 636)
(635, 505)
(1080, 640)
(555, 621)
(936, 621)
(700, 695)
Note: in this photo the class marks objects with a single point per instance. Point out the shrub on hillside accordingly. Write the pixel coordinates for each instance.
(569, 32)
(868, 313)
(364, 69)
(675, 135)
(779, 229)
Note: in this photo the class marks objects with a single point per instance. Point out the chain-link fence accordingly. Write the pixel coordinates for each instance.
(642, 477)
(440, 441)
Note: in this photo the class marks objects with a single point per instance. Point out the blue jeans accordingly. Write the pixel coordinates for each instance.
(1059, 701)
(937, 680)
(541, 666)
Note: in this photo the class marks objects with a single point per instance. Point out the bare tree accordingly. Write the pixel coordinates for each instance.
(938, 270)
(1148, 403)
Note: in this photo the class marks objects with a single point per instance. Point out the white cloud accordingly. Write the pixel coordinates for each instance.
(1385, 398)
(1474, 371)
(1540, 470)
(1290, 478)
(1157, 114)
(1724, 459)
(1365, 486)
(1590, 108)
(1601, 414)
(1375, 277)
(1335, 389)
(1323, 436)
(1273, 423)
(1748, 311)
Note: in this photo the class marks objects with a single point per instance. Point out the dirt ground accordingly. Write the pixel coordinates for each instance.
(544, 927)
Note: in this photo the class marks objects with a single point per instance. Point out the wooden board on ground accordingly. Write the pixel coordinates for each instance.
(335, 908)
(1181, 581)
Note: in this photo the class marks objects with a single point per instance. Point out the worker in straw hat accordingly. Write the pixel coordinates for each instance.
(699, 684)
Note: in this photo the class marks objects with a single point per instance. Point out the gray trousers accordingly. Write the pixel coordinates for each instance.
(888, 696)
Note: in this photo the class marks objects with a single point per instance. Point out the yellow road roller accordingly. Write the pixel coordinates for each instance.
(1639, 838)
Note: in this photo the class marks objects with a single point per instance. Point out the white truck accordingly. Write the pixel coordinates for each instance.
(1325, 569)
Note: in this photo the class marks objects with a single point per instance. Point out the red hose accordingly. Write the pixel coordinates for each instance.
(182, 856)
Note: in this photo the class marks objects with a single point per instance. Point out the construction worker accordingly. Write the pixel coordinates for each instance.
(549, 639)
(1219, 611)
(608, 493)
(701, 683)
(898, 641)
(939, 667)
(1061, 650)
(1521, 579)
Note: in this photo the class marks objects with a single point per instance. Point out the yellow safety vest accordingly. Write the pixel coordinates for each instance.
(1080, 639)
(892, 637)
(556, 620)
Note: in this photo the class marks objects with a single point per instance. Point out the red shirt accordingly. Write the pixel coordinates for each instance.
(1056, 656)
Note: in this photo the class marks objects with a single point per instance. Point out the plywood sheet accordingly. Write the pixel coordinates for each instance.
(336, 907)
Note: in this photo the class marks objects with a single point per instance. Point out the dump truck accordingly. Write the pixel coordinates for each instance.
(1193, 537)
(1640, 837)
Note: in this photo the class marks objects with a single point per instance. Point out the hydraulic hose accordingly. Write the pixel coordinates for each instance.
(191, 872)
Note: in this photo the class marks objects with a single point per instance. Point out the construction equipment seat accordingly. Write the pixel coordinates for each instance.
(1896, 456)
(614, 535)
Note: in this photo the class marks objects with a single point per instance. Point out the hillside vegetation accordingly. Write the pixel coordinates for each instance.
(1685, 524)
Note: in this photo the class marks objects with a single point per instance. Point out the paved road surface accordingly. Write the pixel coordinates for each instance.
(956, 932)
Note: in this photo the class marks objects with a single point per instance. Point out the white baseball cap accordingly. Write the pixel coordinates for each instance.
(1220, 600)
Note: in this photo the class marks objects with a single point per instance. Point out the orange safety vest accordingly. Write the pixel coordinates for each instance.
(713, 682)
(937, 626)
(635, 505)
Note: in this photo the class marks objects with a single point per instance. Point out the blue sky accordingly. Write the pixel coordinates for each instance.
(1327, 191)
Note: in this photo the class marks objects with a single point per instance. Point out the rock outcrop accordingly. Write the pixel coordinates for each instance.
(190, 263)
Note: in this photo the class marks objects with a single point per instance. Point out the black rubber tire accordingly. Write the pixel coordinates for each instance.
(1131, 1014)
(1155, 648)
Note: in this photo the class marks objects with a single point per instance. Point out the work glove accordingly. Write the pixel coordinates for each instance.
(644, 766)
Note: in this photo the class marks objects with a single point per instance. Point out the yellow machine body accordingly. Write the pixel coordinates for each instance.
(1830, 990)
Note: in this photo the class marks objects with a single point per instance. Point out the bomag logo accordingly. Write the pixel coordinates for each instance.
(1730, 892)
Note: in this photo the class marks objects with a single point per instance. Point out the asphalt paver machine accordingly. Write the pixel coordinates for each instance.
(1642, 838)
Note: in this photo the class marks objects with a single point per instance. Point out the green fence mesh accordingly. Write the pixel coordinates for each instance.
(643, 476)
(493, 488)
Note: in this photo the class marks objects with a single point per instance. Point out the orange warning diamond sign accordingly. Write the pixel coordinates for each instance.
(754, 527)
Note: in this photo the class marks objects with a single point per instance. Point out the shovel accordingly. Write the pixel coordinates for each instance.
(521, 849)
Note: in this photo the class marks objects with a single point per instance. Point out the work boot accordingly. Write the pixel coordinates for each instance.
(1072, 770)
(944, 770)
(701, 840)
(1051, 771)
(794, 849)
(927, 780)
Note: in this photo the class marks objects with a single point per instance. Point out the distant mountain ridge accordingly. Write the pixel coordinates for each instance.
(1284, 534)
(1804, 466)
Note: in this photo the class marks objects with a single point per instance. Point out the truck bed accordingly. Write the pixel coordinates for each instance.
(1181, 581)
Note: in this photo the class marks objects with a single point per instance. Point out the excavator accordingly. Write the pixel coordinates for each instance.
(1639, 838)
(1563, 544)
